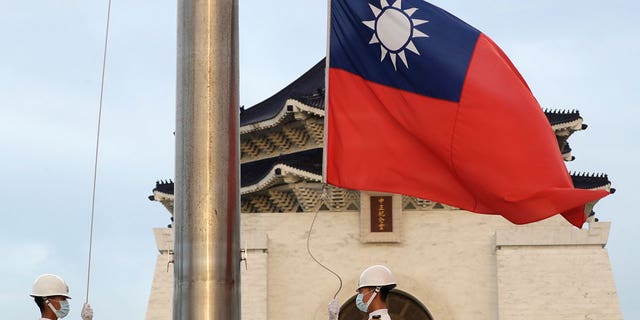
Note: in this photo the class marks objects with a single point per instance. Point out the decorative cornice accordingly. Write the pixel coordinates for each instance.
(280, 174)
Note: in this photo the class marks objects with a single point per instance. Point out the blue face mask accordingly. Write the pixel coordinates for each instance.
(63, 311)
(361, 305)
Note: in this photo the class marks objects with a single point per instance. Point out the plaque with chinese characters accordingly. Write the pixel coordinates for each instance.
(381, 214)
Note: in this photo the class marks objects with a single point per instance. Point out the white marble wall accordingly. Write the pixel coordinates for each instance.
(449, 260)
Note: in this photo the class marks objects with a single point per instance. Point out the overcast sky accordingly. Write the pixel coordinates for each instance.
(574, 54)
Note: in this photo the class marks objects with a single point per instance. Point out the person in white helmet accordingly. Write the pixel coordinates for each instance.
(373, 287)
(51, 293)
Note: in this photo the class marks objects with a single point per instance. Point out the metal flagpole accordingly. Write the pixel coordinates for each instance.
(207, 251)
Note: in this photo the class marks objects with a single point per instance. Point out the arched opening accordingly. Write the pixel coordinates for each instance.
(402, 306)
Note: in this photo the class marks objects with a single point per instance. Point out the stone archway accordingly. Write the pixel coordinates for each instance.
(402, 306)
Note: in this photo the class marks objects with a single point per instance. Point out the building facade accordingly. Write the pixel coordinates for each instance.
(304, 242)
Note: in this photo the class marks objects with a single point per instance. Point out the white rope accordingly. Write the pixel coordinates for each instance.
(95, 164)
(323, 197)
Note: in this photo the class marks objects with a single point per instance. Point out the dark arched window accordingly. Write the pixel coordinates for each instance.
(402, 306)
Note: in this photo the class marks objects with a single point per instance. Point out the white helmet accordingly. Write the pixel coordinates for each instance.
(48, 285)
(376, 276)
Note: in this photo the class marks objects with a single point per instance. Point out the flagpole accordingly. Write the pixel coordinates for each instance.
(326, 95)
(207, 251)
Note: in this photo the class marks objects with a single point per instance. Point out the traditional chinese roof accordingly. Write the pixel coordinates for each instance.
(281, 153)
(163, 193)
(561, 118)
(308, 89)
(281, 186)
(287, 168)
(304, 97)
(591, 181)
(565, 123)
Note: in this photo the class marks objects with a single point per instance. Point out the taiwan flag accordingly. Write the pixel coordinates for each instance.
(422, 104)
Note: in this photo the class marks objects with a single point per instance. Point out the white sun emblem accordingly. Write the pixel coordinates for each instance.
(394, 29)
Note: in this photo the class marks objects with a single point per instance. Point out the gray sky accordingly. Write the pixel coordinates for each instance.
(574, 54)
